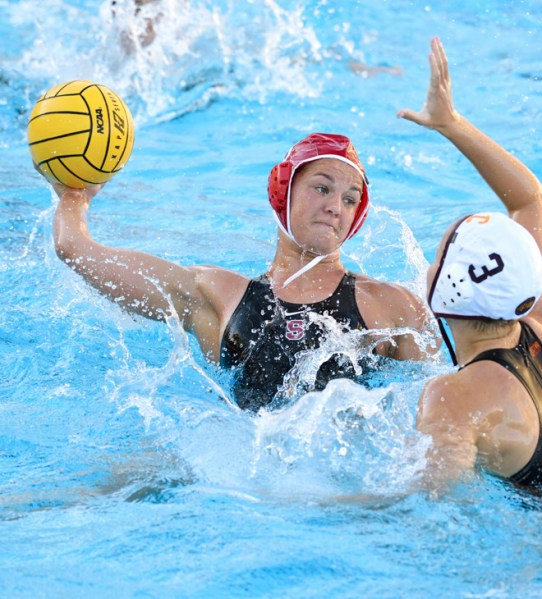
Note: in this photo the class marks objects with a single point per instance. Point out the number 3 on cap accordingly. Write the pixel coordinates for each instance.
(486, 272)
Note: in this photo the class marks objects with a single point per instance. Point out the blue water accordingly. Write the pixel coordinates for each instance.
(125, 469)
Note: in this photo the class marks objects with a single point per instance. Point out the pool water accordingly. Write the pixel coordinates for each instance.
(127, 470)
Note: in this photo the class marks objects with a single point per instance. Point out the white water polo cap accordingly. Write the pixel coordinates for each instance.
(491, 267)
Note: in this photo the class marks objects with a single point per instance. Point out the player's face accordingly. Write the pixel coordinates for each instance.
(325, 196)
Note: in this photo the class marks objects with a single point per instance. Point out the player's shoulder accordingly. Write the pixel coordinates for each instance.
(394, 304)
(382, 289)
(477, 388)
(446, 399)
(217, 287)
(217, 274)
(534, 320)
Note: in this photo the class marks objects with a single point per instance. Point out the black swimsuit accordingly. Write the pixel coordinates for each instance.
(265, 336)
(525, 362)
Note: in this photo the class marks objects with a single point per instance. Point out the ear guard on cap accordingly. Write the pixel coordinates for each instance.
(277, 189)
(454, 288)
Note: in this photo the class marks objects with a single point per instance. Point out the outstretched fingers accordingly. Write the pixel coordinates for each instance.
(441, 58)
(438, 110)
(422, 117)
(440, 77)
(408, 115)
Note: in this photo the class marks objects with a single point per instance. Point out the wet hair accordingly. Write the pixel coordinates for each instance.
(488, 325)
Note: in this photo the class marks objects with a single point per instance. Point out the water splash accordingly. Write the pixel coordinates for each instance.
(167, 57)
(388, 251)
(344, 440)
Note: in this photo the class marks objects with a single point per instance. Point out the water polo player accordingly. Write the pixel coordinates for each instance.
(486, 282)
(320, 197)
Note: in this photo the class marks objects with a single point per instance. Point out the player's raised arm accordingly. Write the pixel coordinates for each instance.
(139, 282)
(203, 297)
(515, 185)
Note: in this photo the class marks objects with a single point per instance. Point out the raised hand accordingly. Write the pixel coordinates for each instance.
(438, 111)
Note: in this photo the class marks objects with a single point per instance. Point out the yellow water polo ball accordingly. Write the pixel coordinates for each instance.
(80, 133)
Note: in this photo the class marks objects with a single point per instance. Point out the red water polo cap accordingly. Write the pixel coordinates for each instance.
(314, 147)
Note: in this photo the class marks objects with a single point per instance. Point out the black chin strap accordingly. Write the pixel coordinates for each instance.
(447, 341)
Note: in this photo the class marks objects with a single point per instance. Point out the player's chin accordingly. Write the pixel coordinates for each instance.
(323, 247)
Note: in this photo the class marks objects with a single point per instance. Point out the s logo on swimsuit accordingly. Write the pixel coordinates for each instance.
(486, 272)
(295, 330)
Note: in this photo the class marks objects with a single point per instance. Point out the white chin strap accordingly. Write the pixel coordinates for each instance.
(304, 269)
(307, 266)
